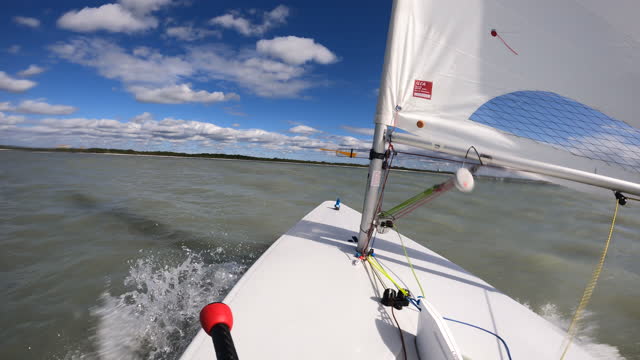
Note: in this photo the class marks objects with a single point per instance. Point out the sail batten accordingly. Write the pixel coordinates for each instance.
(448, 64)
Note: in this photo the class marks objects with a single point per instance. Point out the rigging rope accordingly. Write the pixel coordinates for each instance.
(404, 348)
(384, 285)
(376, 265)
(504, 343)
(409, 260)
(390, 151)
(588, 291)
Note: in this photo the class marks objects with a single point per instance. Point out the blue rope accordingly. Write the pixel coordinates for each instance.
(485, 330)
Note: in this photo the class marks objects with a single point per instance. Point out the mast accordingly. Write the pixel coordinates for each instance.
(375, 162)
(372, 191)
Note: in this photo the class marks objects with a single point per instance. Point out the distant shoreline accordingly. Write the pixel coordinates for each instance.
(215, 156)
(200, 156)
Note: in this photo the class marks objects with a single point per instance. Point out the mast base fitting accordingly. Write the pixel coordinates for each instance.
(396, 299)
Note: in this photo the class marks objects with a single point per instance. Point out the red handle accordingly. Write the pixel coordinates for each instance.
(214, 314)
(216, 320)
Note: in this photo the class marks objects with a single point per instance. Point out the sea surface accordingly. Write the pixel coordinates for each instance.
(111, 257)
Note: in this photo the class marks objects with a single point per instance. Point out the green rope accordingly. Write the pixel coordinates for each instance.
(409, 260)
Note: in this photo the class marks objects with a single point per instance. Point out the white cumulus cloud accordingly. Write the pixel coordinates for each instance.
(264, 77)
(245, 26)
(303, 129)
(126, 16)
(109, 17)
(10, 119)
(357, 130)
(32, 70)
(10, 84)
(296, 50)
(189, 33)
(27, 21)
(42, 108)
(144, 130)
(144, 6)
(179, 94)
(144, 65)
(277, 69)
(145, 116)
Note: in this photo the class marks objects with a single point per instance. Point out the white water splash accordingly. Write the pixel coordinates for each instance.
(585, 336)
(158, 316)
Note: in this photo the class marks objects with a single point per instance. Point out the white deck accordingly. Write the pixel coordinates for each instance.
(305, 299)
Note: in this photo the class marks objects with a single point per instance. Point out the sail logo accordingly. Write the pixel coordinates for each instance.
(422, 89)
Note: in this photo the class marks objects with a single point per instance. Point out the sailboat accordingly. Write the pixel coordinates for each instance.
(545, 87)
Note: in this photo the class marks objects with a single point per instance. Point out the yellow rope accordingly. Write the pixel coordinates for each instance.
(376, 265)
(588, 291)
(408, 259)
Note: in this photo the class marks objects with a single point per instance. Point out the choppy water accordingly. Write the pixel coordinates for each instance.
(111, 257)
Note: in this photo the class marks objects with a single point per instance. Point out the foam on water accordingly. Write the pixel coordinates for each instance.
(158, 316)
(586, 334)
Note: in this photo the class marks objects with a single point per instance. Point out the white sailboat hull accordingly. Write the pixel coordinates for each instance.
(306, 298)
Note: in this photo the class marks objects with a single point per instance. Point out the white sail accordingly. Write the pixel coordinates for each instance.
(553, 82)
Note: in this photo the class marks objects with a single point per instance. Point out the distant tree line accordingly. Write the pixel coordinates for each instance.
(201, 155)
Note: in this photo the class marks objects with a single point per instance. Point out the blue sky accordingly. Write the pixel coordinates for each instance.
(259, 78)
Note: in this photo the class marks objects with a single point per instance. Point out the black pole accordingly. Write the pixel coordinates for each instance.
(223, 343)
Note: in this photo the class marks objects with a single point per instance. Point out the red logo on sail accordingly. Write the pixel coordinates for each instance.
(422, 89)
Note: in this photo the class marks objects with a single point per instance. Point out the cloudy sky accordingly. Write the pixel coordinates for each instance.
(251, 77)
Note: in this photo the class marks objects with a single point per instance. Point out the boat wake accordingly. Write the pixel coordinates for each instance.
(157, 316)
(586, 335)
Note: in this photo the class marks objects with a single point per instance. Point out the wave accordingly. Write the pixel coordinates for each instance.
(585, 337)
(157, 316)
